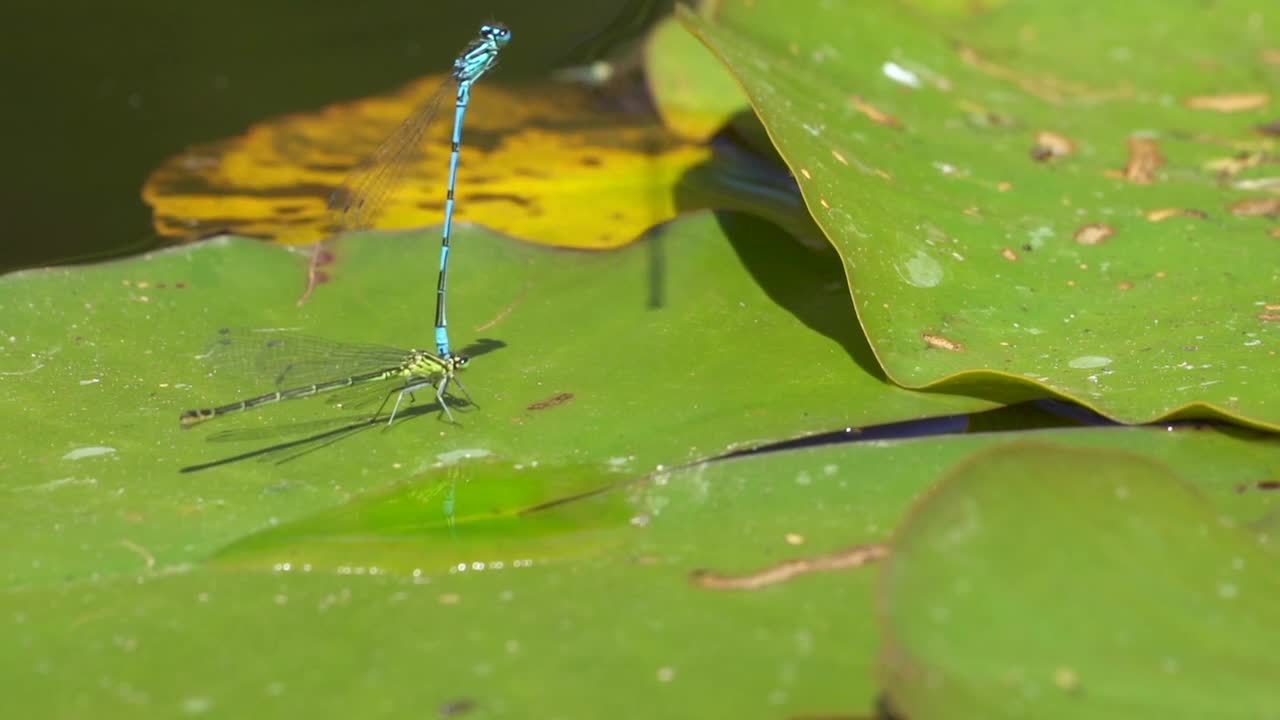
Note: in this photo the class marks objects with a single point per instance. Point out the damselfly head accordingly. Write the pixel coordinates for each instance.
(496, 32)
(459, 361)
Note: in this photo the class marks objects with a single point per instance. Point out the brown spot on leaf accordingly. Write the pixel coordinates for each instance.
(984, 117)
(1051, 145)
(456, 708)
(823, 202)
(1094, 234)
(1270, 56)
(806, 174)
(941, 343)
(1231, 166)
(1125, 285)
(836, 154)
(1274, 232)
(786, 570)
(1144, 161)
(877, 115)
(1230, 103)
(1271, 129)
(316, 276)
(554, 400)
(1256, 207)
(1046, 87)
(1162, 214)
(1009, 254)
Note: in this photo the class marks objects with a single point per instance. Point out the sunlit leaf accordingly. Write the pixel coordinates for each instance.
(690, 344)
(1051, 194)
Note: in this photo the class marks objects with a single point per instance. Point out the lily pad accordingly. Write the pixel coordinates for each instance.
(1022, 197)
(691, 344)
(531, 166)
(655, 599)
(549, 163)
(1046, 582)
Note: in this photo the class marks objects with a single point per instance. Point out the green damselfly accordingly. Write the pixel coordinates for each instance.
(301, 366)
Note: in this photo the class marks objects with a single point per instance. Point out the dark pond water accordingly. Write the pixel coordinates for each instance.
(96, 94)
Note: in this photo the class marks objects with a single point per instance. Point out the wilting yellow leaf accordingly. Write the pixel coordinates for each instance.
(544, 163)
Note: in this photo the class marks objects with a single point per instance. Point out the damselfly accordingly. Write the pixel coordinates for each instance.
(302, 366)
(363, 194)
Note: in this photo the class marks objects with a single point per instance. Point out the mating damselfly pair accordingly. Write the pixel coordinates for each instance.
(359, 200)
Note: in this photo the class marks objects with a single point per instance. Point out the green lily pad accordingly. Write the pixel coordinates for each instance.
(438, 521)
(753, 559)
(694, 343)
(1025, 198)
(1050, 582)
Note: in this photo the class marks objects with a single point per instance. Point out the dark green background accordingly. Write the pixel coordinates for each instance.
(97, 94)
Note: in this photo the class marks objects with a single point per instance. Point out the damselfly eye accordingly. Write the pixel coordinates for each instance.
(498, 33)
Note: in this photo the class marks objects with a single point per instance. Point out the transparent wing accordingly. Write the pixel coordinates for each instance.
(367, 396)
(364, 192)
(288, 360)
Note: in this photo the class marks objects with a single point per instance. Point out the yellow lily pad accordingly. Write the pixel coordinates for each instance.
(546, 163)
